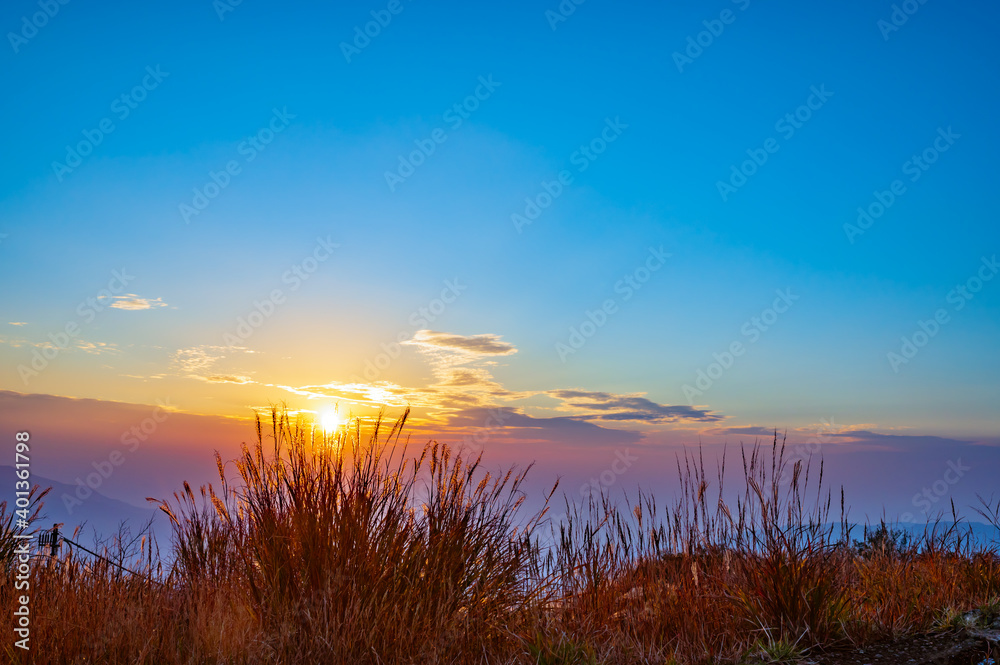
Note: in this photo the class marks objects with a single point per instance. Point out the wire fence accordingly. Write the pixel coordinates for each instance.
(52, 539)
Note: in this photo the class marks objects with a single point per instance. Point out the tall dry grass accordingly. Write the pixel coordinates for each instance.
(352, 549)
(322, 540)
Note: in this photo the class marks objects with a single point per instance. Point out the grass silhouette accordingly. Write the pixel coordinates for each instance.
(347, 548)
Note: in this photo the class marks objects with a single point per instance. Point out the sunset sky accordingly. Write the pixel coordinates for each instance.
(577, 230)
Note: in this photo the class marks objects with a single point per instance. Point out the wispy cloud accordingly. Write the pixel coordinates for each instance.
(133, 302)
(375, 395)
(523, 428)
(898, 442)
(17, 323)
(97, 348)
(227, 378)
(465, 377)
(199, 362)
(749, 430)
(461, 365)
(466, 392)
(483, 345)
(82, 345)
(197, 358)
(630, 407)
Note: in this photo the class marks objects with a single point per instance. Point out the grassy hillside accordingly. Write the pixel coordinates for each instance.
(355, 549)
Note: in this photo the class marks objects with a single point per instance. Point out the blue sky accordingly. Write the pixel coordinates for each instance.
(887, 97)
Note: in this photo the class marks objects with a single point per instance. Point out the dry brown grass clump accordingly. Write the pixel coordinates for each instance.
(347, 549)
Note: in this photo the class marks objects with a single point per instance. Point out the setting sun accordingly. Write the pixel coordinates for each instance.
(329, 421)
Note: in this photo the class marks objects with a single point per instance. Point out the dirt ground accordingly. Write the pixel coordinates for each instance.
(955, 648)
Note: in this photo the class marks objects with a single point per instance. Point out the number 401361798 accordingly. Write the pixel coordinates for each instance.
(22, 486)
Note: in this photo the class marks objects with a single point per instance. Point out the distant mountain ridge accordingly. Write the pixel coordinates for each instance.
(98, 516)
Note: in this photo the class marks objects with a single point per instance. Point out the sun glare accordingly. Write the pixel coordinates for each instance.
(329, 421)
